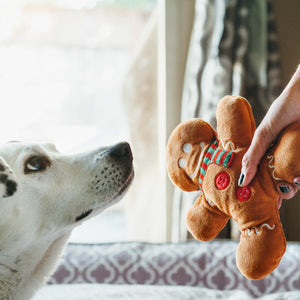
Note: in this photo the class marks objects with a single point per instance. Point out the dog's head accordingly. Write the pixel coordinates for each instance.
(49, 193)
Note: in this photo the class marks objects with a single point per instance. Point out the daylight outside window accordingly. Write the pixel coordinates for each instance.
(63, 64)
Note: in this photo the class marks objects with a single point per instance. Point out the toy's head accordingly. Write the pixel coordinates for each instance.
(198, 158)
(189, 142)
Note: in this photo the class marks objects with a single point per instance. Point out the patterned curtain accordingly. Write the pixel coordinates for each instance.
(233, 50)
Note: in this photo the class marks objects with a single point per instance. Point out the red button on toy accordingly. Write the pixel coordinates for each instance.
(243, 193)
(222, 180)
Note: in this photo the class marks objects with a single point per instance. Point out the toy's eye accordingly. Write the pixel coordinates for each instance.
(36, 164)
(187, 148)
(181, 163)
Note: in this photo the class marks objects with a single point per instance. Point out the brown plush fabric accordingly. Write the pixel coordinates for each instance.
(200, 158)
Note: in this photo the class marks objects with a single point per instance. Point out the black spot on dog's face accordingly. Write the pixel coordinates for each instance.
(10, 185)
(2, 168)
(3, 178)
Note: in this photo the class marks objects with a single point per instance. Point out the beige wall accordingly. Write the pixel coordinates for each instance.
(288, 22)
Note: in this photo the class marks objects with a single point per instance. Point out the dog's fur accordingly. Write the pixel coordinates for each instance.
(44, 195)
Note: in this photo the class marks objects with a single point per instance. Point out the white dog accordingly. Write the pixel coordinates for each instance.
(43, 196)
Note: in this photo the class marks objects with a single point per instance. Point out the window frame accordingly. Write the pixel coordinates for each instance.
(175, 21)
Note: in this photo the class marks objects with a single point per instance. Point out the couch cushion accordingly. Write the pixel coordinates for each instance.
(202, 264)
(133, 292)
(147, 292)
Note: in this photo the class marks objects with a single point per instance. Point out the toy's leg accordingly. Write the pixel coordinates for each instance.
(235, 121)
(205, 221)
(260, 249)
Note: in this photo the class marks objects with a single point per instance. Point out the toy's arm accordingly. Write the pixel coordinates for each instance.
(261, 249)
(286, 154)
(205, 221)
(235, 121)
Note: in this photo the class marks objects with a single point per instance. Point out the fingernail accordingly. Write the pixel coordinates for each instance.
(284, 189)
(241, 179)
(297, 183)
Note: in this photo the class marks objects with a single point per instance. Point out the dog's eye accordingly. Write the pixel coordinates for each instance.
(35, 164)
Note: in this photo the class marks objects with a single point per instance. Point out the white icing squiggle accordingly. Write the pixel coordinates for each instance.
(258, 231)
(228, 143)
(199, 161)
(271, 157)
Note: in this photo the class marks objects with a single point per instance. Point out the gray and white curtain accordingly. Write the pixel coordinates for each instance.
(233, 50)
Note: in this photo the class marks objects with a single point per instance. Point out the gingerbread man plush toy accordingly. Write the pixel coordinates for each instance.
(198, 158)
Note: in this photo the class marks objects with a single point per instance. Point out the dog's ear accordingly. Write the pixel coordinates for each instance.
(8, 181)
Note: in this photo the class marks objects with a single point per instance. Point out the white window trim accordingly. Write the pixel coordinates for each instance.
(175, 20)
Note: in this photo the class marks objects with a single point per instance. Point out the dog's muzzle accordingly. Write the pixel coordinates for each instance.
(113, 177)
(122, 151)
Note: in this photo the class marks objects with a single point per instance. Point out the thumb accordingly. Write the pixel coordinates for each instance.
(262, 140)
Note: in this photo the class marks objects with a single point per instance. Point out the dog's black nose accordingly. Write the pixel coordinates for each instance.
(121, 150)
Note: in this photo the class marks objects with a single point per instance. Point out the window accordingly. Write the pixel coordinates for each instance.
(61, 75)
(62, 70)
(62, 66)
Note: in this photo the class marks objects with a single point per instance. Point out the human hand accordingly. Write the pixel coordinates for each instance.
(284, 110)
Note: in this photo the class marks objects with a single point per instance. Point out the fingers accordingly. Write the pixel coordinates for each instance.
(297, 181)
(286, 190)
(261, 141)
(277, 118)
(284, 110)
